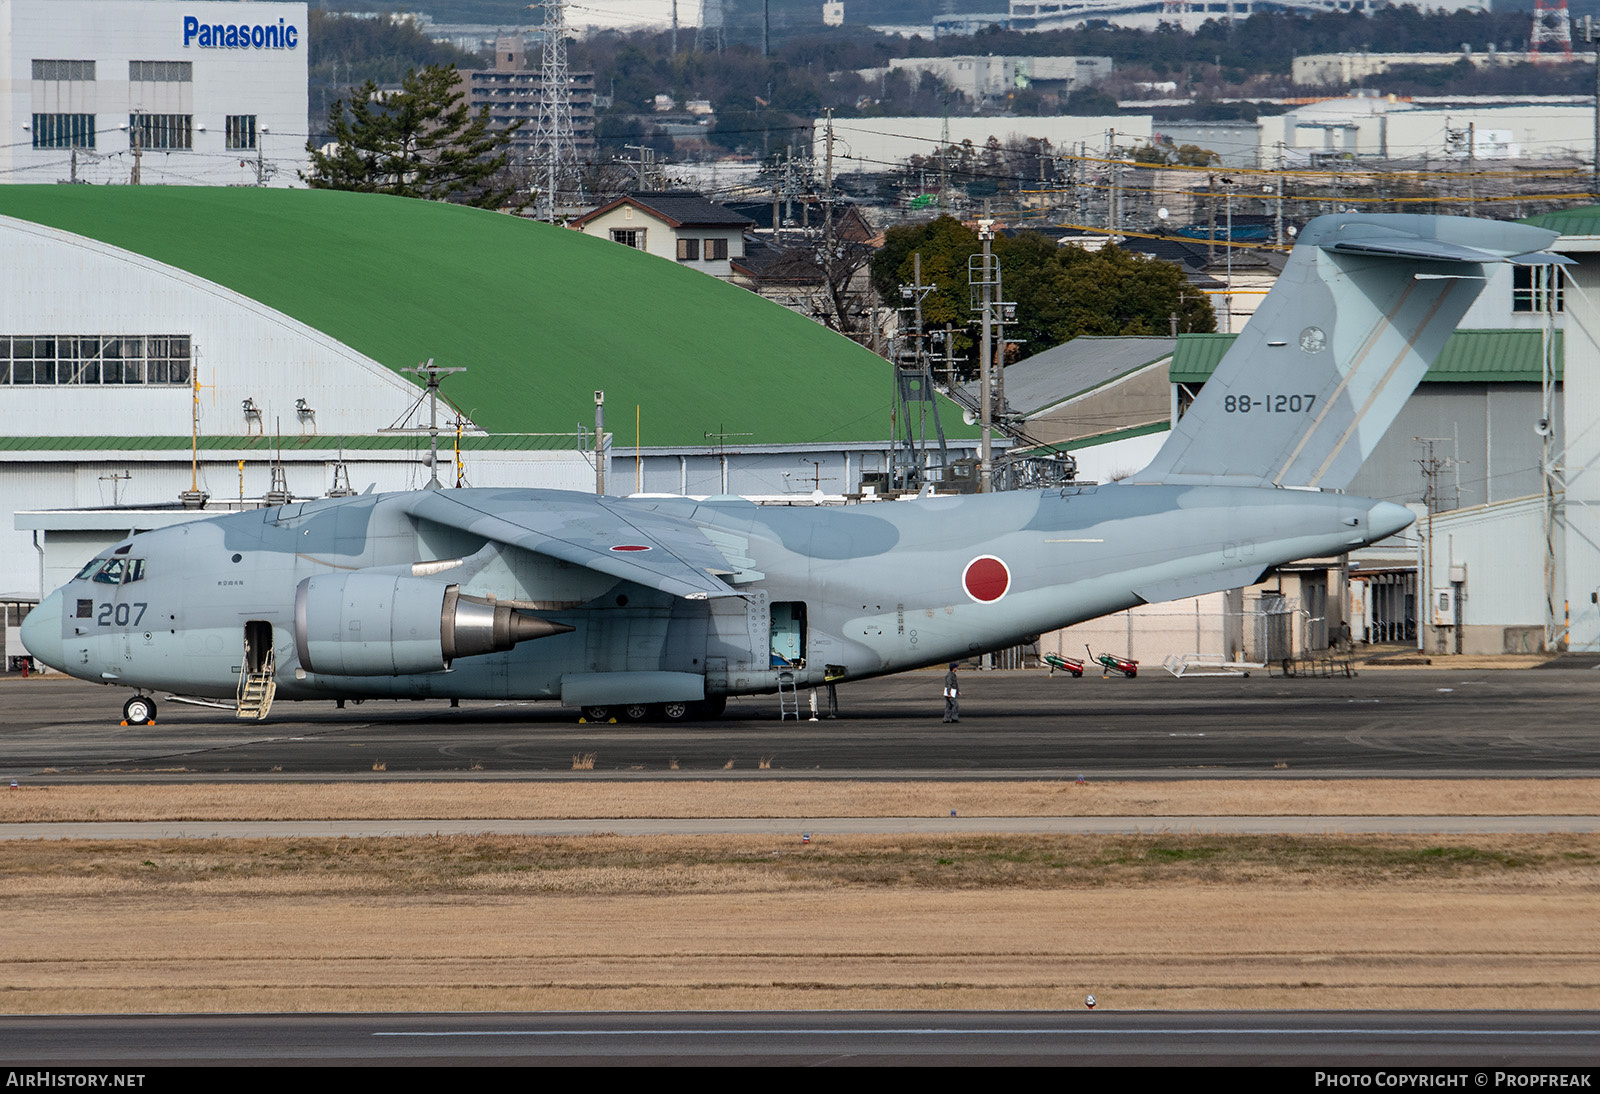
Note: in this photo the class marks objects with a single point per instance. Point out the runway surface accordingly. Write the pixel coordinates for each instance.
(793, 826)
(1429, 722)
(1465, 1043)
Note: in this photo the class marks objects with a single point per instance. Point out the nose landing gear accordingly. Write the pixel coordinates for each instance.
(139, 711)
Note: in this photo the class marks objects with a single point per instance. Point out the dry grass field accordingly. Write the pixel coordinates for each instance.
(493, 923)
(793, 798)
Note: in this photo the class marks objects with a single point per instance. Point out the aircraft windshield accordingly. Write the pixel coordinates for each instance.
(112, 571)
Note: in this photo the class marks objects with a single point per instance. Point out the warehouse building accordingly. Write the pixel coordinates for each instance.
(149, 91)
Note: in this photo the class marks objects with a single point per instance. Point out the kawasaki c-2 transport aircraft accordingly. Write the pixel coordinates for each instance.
(663, 607)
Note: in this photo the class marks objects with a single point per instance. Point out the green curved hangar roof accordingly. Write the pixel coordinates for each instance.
(540, 316)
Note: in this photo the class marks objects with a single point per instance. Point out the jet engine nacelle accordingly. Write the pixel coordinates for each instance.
(359, 624)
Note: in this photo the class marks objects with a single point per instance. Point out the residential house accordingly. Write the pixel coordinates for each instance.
(675, 224)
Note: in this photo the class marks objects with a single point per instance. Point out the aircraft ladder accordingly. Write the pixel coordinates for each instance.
(256, 689)
(788, 698)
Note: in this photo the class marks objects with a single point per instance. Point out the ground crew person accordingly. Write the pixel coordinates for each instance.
(952, 696)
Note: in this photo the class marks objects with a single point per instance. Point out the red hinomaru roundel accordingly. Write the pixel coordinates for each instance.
(986, 579)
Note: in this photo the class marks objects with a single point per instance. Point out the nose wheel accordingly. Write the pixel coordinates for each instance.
(139, 711)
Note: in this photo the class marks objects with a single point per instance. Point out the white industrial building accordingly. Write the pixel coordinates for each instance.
(983, 78)
(1368, 125)
(1028, 15)
(153, 91)
(878, 144)
(1340, 69)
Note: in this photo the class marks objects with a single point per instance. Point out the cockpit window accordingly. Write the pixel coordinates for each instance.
(112, 571)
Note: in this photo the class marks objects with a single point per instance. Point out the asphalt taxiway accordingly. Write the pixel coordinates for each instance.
(1423, 722)
(1468, 1044)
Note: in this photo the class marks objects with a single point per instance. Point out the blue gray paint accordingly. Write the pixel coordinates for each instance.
(673, 599)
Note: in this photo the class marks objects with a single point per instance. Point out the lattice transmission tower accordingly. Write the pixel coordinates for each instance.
(1552, 28)
(554, 150)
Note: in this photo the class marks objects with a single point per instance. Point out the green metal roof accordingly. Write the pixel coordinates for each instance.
(1583, 221)
(540, 316)
(1481, 356)
(331, 445)
(1195, 357)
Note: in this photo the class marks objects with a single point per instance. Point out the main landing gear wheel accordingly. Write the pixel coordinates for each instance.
(597, 714)
(139, 711)
(678, 712)
(636, 712)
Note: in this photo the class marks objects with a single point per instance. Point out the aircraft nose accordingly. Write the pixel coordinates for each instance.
(41, 631)
(1386, 518)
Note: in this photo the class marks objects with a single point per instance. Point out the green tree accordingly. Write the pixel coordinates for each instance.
(1060, 292)
(421, 141)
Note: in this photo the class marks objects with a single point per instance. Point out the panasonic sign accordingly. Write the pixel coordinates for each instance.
(238, 36)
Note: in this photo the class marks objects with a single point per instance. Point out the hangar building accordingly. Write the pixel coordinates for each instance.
(270, 330)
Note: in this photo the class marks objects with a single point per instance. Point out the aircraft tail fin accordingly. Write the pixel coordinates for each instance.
(1362, 308)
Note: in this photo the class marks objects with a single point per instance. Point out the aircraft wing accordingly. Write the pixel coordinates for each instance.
(652, 549)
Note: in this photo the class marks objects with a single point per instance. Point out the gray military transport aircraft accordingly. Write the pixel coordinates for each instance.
(662, 607)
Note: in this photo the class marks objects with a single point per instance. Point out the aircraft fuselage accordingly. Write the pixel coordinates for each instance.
(836, 592)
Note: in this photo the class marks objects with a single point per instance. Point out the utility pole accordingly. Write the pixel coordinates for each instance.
(1472, 169)
(944, 155)
(982, 274)
(1229, 184)
(1277, 217)
(914, 384)
(1431, 466)
(599, 442)
(1591, 34)
(1114, 196)
(264, 170)
(646, 162)
(134, 131)
(827, 194)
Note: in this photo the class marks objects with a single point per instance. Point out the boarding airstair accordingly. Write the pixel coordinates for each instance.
(788, 697)
(257, 686)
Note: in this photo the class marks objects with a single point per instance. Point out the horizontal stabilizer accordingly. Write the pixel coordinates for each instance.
(1362, 308)
(1199, 584)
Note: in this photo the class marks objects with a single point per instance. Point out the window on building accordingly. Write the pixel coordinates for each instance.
(159, 359)
(63, 70)
(167, 359)
(161, 130)
(1536, 289)
(629, 237)
(241, 131)
(161, 72)
(63, 130)
(716, 250)
(28, 360)
(688, 250)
